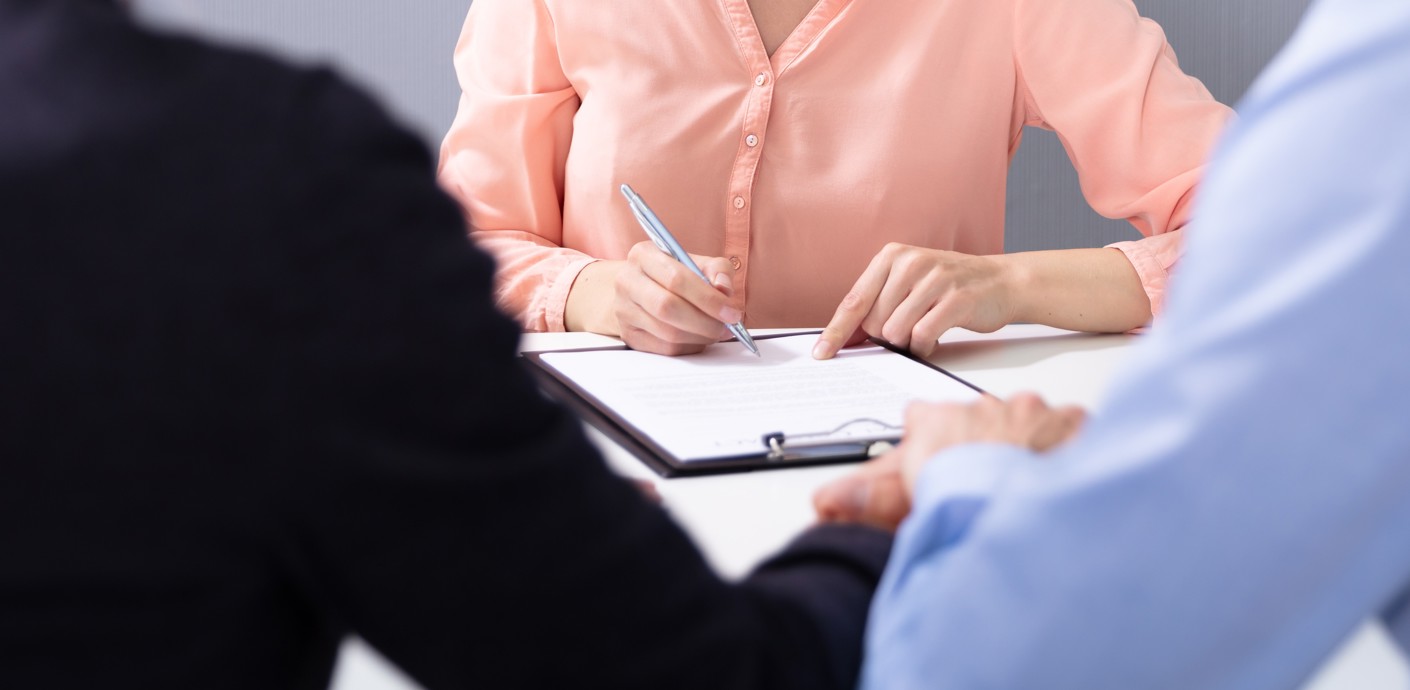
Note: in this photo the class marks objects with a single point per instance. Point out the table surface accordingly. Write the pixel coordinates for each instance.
(739, 519)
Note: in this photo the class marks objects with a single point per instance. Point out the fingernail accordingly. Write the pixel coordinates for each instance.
(731, 315)
(822, 350)
(723, 282)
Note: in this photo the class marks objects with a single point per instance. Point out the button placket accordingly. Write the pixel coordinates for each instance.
(738, 226)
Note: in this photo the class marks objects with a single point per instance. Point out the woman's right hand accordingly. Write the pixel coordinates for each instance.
(653, 302)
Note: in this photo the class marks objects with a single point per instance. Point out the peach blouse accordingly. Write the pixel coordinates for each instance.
(873, 122)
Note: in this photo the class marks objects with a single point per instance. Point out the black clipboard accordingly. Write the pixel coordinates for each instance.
(780, 455)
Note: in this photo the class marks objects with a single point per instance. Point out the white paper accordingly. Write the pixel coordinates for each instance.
(721, 402)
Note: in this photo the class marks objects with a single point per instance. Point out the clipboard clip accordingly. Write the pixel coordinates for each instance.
(860, 449)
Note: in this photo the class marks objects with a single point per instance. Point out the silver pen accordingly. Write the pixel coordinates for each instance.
(666, 242)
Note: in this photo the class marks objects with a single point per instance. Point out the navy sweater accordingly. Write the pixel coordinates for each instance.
(256, 397)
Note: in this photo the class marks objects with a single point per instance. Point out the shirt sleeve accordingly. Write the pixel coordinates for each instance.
(1137, 129)
(1241, 501)
(504, 156)
(1154, 258)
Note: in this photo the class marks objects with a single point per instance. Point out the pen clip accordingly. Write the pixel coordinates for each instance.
(656, 230)
(647, 226)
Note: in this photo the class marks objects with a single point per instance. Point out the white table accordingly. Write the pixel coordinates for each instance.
(739, 519)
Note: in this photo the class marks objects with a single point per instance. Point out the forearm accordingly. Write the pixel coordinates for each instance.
(1095, 290)
(589, 306)
(825, 580)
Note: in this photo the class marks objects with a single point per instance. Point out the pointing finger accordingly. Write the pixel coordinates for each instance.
(847, 320)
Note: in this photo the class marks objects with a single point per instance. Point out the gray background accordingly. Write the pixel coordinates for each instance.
(1224, 43)
(401, 51)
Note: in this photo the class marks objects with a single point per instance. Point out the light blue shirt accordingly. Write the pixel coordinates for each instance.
(1242, 499)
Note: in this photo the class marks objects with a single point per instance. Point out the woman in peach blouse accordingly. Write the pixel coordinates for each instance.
(828, 161)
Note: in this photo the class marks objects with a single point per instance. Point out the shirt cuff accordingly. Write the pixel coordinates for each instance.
(555, 302)
(951, 493)
(1153, 258)
(969, 471)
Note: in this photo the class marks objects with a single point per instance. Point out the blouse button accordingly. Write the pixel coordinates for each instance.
(751, 140)
(735, 262)
(739, 202)
(761, 79)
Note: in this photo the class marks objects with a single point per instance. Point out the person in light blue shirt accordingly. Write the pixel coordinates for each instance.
(1241, 502)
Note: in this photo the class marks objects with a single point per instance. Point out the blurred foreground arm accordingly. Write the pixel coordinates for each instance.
(1242, 500)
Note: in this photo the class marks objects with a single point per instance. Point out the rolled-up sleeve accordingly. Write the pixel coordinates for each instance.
(1136, 127)
(1154, 258)
(504, 156)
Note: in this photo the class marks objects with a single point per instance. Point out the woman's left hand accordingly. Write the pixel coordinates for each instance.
(909, 295)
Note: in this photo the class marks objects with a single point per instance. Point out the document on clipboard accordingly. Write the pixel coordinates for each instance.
(727, 410)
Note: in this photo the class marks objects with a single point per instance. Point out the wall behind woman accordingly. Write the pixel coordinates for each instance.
(398, 49)
(401, 50)
(1224, 43)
